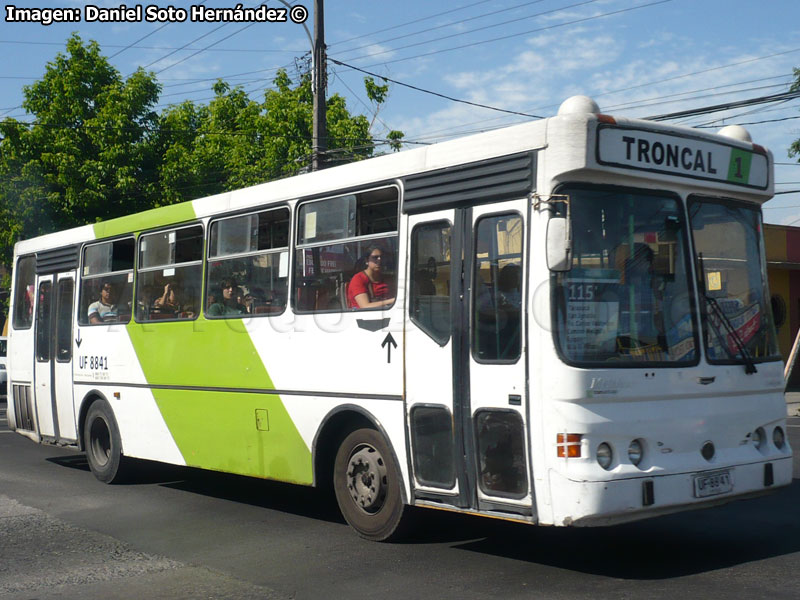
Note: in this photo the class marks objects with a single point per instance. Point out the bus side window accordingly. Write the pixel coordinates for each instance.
(429, 306)
(252, 251)
(170, 272)
(107, 266)
(497, 289)
(24, 292)
(334, 237)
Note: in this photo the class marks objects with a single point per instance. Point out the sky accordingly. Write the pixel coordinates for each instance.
(636, 58)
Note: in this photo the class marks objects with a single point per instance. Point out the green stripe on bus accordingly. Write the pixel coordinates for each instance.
(244, 433)
(157, 217)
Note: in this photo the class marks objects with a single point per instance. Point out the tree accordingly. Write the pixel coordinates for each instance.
(96, 148)
(378, 95)
(82, 159)
(794, 149)
(235, 141)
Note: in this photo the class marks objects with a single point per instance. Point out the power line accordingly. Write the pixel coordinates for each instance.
(726, 106)
(410, 22)
(222, 133)
(513, 35)
(150, 64)
(753, 123)
(360, 101)
(419, 89)
(555, 10)
(656, 82)
(672, 98)
(195, 40)
(131, 45)
(782, 97)
(421, 31)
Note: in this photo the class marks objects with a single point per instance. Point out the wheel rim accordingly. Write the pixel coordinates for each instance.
(366, 478)
(100, 442)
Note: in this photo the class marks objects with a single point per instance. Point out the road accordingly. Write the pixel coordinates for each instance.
(182, 533)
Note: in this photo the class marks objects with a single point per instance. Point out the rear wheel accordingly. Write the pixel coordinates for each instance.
(103, 443)
(367, 485)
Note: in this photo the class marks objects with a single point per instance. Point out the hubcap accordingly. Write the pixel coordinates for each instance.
(366, 478)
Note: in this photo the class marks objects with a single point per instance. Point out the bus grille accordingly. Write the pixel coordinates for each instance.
(23, 408)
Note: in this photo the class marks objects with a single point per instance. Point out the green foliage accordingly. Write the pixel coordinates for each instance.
(376, 93)
(395, 138)
(97, 149)
(794, 149)
(83, 158)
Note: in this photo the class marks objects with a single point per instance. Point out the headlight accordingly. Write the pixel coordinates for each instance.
(759, 437)
(604, 456)
(635, 452)
(778, 438)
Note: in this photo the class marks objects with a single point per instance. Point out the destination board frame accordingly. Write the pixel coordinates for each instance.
(608, 152)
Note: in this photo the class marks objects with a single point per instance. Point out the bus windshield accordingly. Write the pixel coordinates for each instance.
(627, 297)
(737, 318)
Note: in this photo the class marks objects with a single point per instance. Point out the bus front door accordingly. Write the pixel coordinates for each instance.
(53, 350)
(466, 390)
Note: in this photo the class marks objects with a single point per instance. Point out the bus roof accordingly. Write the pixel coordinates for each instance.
(619, 146)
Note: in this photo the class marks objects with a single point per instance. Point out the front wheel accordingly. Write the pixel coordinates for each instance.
(103, 443)
(367, 485)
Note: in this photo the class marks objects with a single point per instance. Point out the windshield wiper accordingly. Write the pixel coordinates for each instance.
(749, 364)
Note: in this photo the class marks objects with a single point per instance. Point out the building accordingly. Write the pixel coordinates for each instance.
(783, 268)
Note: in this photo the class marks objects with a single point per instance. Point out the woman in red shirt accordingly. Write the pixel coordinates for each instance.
(367, 289)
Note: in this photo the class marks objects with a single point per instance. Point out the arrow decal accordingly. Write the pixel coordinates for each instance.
(388, 342)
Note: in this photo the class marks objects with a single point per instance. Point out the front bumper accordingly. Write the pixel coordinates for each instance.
(593, 503)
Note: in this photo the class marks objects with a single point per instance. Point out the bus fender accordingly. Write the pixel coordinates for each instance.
(333, 429)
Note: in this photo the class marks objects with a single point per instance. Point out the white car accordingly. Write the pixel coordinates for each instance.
(3, 371)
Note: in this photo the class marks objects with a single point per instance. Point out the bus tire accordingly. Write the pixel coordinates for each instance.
(103, 443)
(367, 484)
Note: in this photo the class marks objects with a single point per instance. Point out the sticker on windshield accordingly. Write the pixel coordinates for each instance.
(714, 281)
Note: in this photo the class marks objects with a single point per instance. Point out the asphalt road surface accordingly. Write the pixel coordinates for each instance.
(182, 533)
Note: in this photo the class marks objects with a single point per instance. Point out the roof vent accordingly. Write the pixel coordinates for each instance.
(578, 105)
(736, 132)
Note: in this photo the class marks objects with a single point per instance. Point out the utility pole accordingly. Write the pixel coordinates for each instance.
(319, 83)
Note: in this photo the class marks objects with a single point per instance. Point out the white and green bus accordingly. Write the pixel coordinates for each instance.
(570, 325)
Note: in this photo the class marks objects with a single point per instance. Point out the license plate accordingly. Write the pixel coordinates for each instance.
(712, 483)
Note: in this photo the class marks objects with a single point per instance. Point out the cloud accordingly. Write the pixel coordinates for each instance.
(543, 67)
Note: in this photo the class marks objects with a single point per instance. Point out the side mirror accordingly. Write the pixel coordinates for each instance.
(559, 244)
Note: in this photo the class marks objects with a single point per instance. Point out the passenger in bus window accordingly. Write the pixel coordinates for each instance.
(104, 310)
(168, 302)
(230, 304)
(367, 289)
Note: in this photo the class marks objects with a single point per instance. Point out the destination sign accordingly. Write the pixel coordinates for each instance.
(684, 156)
